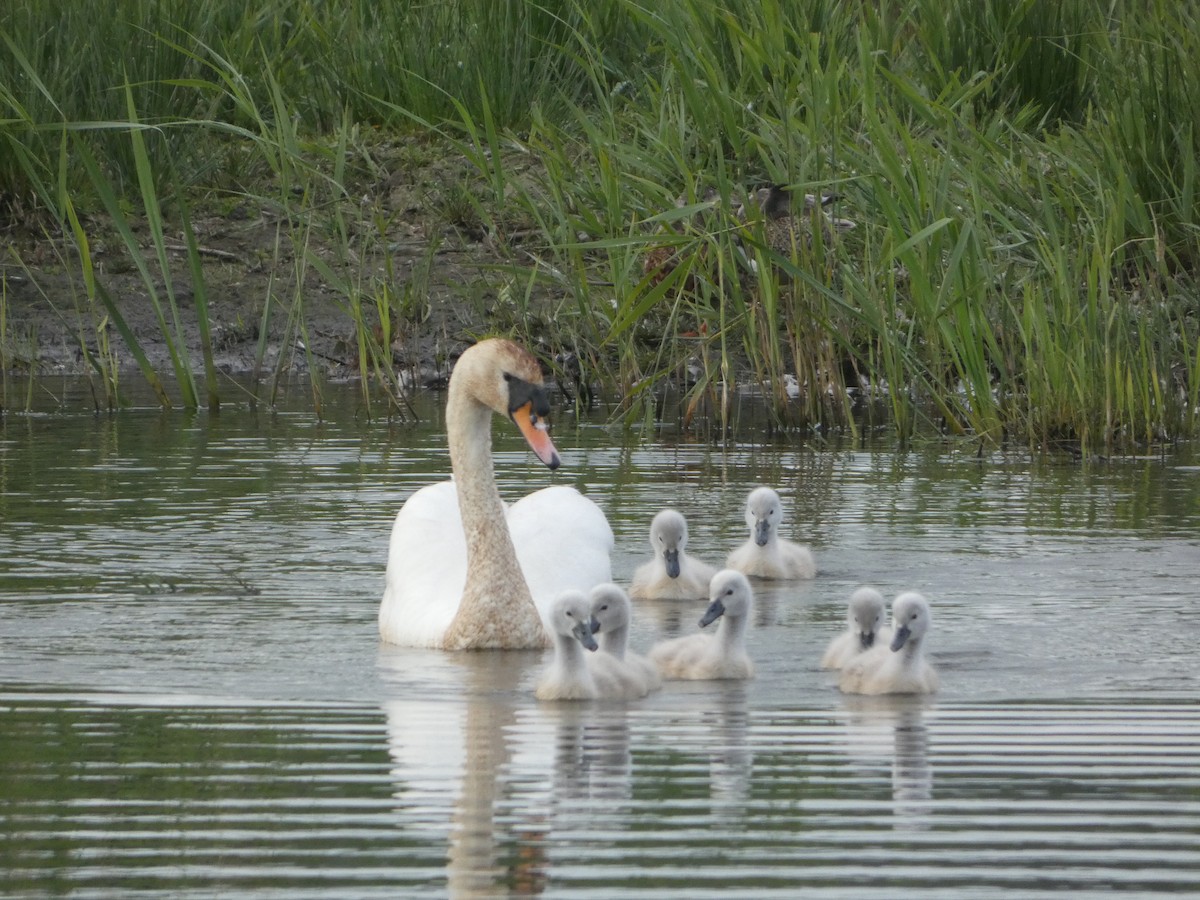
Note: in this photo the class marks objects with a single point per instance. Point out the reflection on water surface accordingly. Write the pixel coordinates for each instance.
(195, 703)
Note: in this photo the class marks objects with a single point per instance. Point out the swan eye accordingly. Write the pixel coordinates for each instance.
(604, 608)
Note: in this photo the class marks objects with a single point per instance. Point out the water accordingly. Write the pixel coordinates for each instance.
(194, 703)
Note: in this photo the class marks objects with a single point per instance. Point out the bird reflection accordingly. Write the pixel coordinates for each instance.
(490, 777)
(731, 761)
(893, 728)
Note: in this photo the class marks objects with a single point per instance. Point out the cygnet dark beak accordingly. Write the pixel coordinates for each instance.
(595, 624)
(762, 531)
(583, 632)
(672, 559)
(715, 610)
(866, 638)
(902, 635)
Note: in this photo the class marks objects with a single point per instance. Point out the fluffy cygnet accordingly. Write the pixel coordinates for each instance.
(611, 614)
(720, 655)
(569, 677)
(766, 554)
(671, 574)
(900, 668)
(864, 629)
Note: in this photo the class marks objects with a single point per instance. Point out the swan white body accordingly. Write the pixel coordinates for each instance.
(766, 554)
(864, 629)
(465, 571)
(898, 668)
(713, 656)
(569, 677)
(672, 574)
(611, 615)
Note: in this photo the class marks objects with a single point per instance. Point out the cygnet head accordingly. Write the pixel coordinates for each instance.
(910, 618)
(729, 594)
(610, 608)
(571, 617)
(866, 615)
(764, 512)
(668, 538)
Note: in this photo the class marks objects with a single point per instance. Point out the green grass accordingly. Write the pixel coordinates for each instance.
(1022, 176)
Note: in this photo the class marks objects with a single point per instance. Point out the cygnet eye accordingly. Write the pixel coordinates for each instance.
(604, 608)
(729, 592)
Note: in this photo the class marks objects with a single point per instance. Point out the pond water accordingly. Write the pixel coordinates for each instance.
(194, 701)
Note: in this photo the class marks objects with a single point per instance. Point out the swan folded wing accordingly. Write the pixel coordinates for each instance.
(563, 542)
(426, 570)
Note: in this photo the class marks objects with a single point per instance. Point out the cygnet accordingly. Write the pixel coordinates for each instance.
(766, 554)
(568, 676)
(864, 629)
(611, 615)
(710, 656)
(900, 668)
(671, 574)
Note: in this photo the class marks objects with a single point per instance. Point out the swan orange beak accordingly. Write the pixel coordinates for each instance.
(533, 429)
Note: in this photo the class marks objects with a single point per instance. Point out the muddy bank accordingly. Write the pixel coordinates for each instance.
(410, 244)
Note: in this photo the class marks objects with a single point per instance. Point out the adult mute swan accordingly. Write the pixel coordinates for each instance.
(671, 574)
(464, 571)
(712, 656)
(864, 628)
(766, 554)
(611, 615)
(902, 667)
(569, 676)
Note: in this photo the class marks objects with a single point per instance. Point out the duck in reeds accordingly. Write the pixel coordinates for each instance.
(900, 668)
(864, 628)
(466, 570)
(788, 223)
(766, 554)
(671, 574)
(700, 657)
(611, 616)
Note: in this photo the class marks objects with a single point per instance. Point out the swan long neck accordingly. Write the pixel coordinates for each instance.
(469, 435)
(615, 641)
(569, 655)
(732, 631)
(496, 610)
(911, 651)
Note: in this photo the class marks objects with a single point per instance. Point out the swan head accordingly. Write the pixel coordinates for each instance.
(866, 615)
(668, 538)
(764, 513)
(610, 608)
(506, 378)
(729, 595)
(910, 618)
(571, 617)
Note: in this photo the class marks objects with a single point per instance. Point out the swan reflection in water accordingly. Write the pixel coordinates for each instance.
(484, 778)
(892, 728)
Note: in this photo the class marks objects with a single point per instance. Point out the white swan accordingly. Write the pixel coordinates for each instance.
(569, 677)
(766, 554)
(463, 571)
(611, 615)
(900, 668)
(720, 655)
(671, 574)
(864, 628)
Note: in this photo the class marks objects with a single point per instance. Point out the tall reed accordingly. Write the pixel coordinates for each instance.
(1022, 177)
